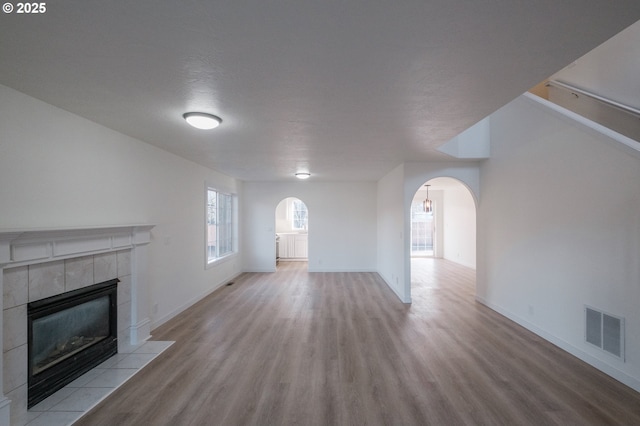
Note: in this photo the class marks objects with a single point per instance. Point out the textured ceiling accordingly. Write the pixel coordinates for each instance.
(345, 89)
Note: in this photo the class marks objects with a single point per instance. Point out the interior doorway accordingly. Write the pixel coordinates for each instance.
(443, 229)
(291, 231)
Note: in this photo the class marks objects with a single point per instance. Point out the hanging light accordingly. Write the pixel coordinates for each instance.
(427, 205)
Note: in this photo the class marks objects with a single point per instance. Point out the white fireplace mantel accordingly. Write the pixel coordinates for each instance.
(29, 246)
(26, 247)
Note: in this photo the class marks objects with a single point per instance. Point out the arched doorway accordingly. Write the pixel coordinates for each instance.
(292, 231)
(446, 233)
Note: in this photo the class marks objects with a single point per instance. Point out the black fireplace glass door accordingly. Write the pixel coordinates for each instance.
(68, 335)
(60, 335)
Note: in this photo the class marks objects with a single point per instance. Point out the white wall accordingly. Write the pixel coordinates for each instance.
(59, 170)
(459, 233)
(558, 229)
(391, 232)
(342, 224)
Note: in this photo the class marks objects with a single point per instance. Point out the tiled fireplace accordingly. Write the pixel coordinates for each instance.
(37, 264)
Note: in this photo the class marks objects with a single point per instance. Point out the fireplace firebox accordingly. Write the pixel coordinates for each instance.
(69, 334)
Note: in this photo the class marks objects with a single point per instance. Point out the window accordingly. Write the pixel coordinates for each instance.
(300, 216)
(219, 225)
(422, 231)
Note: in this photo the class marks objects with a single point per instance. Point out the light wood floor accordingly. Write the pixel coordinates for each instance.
(294, 347)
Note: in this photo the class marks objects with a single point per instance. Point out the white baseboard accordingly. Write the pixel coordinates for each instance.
(316, 269)
(260, 270)
(394, 289)
(5, 410)
(615, 373)
(140, 332)
(158, 322)
(466, 265)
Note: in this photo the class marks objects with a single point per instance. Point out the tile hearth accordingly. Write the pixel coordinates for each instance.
(78, 397)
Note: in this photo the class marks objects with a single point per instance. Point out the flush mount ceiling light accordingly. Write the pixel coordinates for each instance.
(202, 120)
(303, 175)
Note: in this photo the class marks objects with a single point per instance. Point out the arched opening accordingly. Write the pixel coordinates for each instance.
(443, 237)
(292, 232)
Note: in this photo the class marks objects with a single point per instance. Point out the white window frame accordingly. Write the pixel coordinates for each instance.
(228, 219)
(295, 218)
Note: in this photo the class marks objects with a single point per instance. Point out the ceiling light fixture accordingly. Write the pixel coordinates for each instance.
(202, 120)
(427, 205)
(303, 175)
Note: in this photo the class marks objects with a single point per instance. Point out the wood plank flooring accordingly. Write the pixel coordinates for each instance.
(299, 348)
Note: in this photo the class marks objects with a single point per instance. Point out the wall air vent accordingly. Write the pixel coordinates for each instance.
(605, 331)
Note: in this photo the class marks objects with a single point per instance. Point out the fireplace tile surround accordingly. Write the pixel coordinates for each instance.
(36, 264)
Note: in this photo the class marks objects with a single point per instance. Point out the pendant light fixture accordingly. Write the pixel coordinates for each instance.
(427, 205)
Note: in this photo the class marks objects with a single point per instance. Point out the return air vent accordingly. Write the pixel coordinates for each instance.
(605, 331)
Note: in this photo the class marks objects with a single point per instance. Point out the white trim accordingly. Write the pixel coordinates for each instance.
(31, 246)
(158, 322)
(608, 369)
(395, 291)
(234, 226)
(5, 410)
(466, 265)
(323, 269)
(220, 260)
(261, 270)
(221, 188)
(140, 331)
